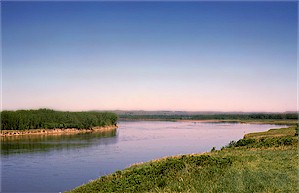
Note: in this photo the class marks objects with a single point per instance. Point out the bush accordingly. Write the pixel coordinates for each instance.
(262, 142)
(245, 142)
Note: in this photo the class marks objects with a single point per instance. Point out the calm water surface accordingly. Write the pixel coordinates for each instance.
(60, 163)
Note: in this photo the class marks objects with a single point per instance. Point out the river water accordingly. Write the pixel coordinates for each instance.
(60, 163)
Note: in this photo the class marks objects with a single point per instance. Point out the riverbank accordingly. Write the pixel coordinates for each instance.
(251, 121)
(261, 162)
(270, 121)
(55, 131)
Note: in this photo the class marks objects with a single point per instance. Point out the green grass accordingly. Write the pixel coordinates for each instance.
(287, 132)
(252, 167)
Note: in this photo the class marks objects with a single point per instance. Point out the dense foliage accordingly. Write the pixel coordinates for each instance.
(263, 142)
(49, 119)
(226, 116)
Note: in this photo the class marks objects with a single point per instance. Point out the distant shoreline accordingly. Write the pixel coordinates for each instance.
(253, 121)
(55, 131)
(274, 122)
(207, 121)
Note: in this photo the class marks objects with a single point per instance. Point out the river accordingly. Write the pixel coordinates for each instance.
(60, 163)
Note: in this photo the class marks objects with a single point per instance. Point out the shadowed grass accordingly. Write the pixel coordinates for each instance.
(253, 167)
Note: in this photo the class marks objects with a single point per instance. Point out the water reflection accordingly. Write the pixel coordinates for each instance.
(45, 143)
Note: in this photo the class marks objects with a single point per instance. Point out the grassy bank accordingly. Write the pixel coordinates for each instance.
(260, 162)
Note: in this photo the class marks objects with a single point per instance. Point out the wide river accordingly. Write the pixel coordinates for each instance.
(60, 163)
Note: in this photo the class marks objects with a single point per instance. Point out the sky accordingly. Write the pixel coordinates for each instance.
(191, 56)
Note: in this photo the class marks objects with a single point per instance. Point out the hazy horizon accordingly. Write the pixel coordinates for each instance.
(173, 56)
(141, 110)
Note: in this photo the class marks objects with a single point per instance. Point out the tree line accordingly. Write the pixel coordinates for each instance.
(50, 119)
(249, 116)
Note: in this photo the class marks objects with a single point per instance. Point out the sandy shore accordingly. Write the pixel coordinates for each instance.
(56, 131)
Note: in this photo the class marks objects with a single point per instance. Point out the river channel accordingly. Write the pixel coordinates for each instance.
(49, 163)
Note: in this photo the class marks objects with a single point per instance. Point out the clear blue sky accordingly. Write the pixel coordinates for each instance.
(197, 56)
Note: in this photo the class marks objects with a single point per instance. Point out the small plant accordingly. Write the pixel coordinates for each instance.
(213, 149)
(231, 144)
(245, 142)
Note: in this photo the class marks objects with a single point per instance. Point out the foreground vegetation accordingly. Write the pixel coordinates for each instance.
(260, 162)
(50, 119)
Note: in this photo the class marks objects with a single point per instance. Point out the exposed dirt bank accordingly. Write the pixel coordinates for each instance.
(56, 131)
